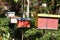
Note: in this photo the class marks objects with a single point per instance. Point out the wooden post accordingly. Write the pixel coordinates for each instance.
(27, 14)
(36, 19)
(23, 9)
(22, 34)
(53, 5)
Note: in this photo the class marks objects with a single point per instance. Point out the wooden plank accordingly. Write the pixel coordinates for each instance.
(36, 19)
(49, 15)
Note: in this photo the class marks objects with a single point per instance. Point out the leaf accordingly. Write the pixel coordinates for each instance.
(16, 1)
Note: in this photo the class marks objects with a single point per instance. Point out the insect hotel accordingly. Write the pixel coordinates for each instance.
(23, 23)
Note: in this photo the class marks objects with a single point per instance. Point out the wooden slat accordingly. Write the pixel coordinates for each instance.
(36, 20)
(49, 15)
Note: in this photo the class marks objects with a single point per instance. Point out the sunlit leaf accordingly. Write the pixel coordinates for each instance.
(16, 1)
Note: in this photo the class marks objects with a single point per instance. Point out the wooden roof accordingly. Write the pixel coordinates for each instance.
(49, 15)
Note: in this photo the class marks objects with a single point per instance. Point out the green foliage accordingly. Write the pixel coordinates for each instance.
(16, 1)
(4, 21)
(58, 1)
(4, 28)
(1, 7)
(31, 34)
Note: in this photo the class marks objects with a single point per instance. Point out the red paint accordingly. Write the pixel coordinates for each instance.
(52, 24)
(47, 23)
(23, 23)
(42, 23)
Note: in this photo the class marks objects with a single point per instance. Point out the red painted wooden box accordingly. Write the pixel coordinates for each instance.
(22, 23)
(47, 23)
